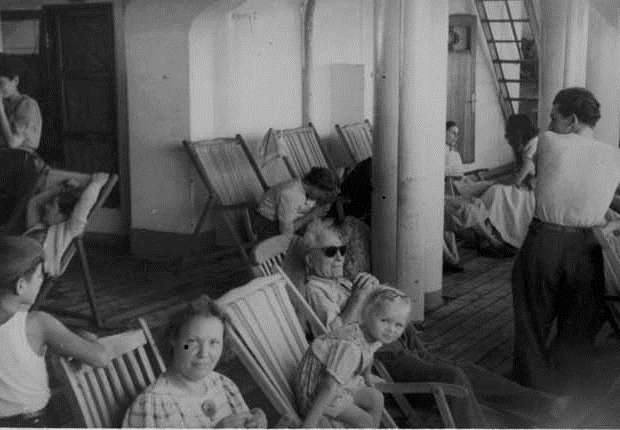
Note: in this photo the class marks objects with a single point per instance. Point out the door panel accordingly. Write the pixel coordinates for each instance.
(462, 82)
(79, 49)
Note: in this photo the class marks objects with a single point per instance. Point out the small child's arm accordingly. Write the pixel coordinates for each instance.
(325, 393)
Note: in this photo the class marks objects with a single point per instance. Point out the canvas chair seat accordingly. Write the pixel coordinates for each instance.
(233, 181)
(357, 137)
(56, 176)
(300, 148)
(100, 396)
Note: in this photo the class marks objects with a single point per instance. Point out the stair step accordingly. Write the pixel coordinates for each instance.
(506, 20)
(522, 99)
(514, 61)
(504, 41)
(516, 81)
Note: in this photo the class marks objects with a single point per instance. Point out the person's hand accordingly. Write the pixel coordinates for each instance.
(234, 421)
(372, 380)
(364, 283)
(257, 420)
(71, 183)
(100, 177)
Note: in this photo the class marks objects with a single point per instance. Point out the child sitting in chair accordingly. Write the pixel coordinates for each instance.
(334, 379)
(25, 336)
(58, 215)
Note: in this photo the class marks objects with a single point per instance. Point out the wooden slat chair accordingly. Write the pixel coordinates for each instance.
(357, 137)
(233, 180)
(266, 331)
(301, 148)
(77, 247)
(102, 395)
(609, 238)
(268, 255)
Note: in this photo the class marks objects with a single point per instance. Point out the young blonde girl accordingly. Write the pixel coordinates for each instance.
(25, 336)
(334, 379)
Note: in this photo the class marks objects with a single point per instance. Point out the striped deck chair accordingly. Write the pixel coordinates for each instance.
(301, 149)
(357, 137)
(233, 180)
(100, 396)
(76, 247)
(266, 330)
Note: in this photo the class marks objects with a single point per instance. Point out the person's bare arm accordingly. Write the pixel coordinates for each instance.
(363, 284)
(13, 140)
(64, 342)
(34, 204)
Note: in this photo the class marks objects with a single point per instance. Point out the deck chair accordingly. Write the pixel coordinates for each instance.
(300, 148)
(357, 137)
(266, 331)
(76, 247)
(100, 396)
(233, 180)
(269, 254)
(609, 238)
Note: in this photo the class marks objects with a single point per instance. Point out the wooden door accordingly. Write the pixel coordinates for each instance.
(78, 50)
(462, 81)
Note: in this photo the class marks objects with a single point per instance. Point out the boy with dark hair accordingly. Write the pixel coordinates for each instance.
(25, 336)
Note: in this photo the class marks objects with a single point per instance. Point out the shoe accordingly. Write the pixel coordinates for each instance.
(450, 267)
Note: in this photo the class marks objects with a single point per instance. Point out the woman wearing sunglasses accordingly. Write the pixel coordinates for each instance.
(337, 301)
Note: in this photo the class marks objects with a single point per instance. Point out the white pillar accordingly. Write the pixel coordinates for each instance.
(423, 92)
(564, 34)
(603, 67)
(385, 139)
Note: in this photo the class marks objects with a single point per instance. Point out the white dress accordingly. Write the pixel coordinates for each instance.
(510, 207)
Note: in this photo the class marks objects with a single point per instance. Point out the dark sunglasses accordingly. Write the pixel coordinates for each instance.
(330, 251)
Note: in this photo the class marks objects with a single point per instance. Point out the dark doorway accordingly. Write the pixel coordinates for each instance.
(78, 98)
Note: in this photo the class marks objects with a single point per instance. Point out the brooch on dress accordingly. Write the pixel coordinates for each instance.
(208, 407)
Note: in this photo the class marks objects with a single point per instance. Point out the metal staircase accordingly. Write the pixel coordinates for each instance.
(511, 31)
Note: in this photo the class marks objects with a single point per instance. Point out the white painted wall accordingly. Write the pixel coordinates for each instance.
(490, 145)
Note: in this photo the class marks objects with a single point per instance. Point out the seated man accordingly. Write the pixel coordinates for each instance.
(337, 300)
(58, 215)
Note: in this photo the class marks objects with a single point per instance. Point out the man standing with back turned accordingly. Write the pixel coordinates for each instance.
(558, 272)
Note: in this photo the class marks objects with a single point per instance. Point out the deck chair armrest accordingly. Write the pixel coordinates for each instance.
(477, 173)
(422, 387)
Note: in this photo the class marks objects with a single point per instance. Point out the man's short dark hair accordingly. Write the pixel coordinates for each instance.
(450, 124)
(578, 101)
(323, 179)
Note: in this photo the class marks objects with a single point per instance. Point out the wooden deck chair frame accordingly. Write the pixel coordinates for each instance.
(357, 137)
(608, 236)
(77, 247)
(267, 255)
(254, 329)
(101, 395)
(215, 200)
(303, 149)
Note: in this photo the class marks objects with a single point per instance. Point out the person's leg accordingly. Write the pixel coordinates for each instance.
(355, 416)
(371, 401)
(535, 279)
(580, 309)
(406, 366)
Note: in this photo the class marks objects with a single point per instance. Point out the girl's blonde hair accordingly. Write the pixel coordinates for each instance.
(382, 294)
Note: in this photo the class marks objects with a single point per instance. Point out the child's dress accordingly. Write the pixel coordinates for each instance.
(344, 354)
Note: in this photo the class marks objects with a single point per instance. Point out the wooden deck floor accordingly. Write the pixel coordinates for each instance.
(475, 322)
